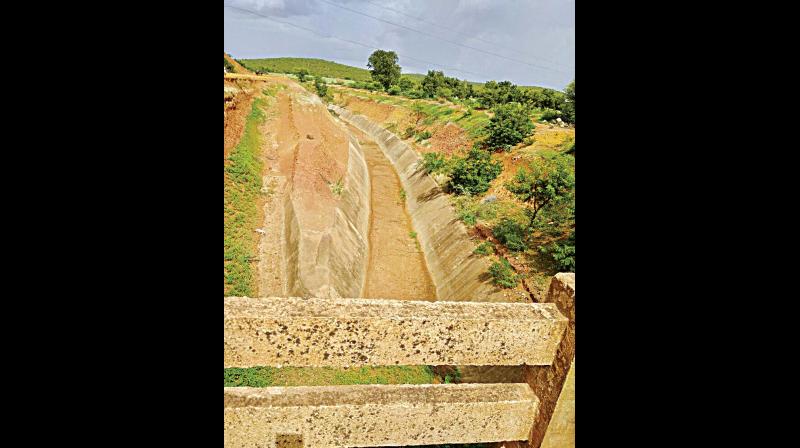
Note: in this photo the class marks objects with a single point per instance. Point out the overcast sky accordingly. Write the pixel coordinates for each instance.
(528, 42)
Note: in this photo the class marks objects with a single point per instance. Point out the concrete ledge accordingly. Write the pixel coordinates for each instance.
(355, 332)
(377, 415)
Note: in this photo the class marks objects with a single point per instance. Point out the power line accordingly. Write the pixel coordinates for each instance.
(442, 39)
(356, 43)
(466, 35)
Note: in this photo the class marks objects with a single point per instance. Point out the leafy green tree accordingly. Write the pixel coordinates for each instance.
(384, 67)
(562, 253)
(432, 83)
(544, 183)
(473, 174)
(509, 126)
(568, 106)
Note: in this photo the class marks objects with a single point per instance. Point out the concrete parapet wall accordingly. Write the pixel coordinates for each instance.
(377, 415)
(549, 383)
(456, 272)
(352, 332)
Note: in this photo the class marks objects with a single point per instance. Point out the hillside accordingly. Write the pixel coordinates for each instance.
(316, 67)
(237, 68)
(329, 69)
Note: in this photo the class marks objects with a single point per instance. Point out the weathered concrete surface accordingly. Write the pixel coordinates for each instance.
(456, 272)
(547, 382)
(350, 332)
(561, 430)
(326, 208)
(378, 415)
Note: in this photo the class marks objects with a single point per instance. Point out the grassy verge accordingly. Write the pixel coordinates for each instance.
(326, 376)
(242, 189)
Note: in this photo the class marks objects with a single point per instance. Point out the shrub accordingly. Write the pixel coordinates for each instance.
(511, 234)
(424, 135)
(394, 90)
(433, 162)
(550, 114)
(545, 182)
(485, 248)
(503, 274)
(301, 74)
(473, 174)
(406, 85)
(562, 253)
(468, 217)
(322, 88)
(509, 126)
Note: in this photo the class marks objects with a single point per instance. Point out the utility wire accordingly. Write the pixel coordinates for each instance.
(356, 43)
(442, 39)
(467, 36)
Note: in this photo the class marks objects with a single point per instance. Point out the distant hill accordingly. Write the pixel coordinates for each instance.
(328, 69)
(315, 67)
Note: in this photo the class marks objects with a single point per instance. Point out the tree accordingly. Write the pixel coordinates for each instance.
(406, 84)
(562, 253)
(568, 106)
(545, 182)
(509, 126)
(432, 83)
(473, 174)
(384, 67)
(301, 74)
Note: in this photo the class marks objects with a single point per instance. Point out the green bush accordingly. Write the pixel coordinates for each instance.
(509, 126)
(562, 253)
(511, 234)
(433, 162)
(468, 217)
(395, 90)
(301, 74)
(406, 84)
(322, 88)
(485, 248)
(424, 135)
(503, 274)
(474, 174)
(550, 114)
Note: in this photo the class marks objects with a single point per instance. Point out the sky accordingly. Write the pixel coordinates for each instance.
(528, 42)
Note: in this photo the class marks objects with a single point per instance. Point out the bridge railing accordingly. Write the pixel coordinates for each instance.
(360, 332)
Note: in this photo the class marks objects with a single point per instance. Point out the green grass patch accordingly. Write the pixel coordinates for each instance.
(243, 184)
(326, 376)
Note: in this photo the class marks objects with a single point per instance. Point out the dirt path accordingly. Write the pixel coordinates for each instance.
(396, 267)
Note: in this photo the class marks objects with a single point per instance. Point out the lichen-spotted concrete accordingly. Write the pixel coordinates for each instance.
(355, 332)
(377, 415)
